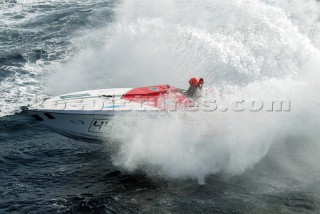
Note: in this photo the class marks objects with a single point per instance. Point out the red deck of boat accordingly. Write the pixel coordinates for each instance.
(159, 96)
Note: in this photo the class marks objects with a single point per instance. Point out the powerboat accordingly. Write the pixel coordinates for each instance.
(88, 115)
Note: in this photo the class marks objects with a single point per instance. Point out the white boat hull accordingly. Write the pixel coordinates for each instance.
(80, 126)
(89, 115)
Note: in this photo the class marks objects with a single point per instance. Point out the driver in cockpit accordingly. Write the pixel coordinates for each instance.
(195, 88)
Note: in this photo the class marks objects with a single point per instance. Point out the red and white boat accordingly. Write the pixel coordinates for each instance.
(89, 114)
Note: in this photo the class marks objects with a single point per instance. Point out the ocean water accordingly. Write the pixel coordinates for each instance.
(222, 162)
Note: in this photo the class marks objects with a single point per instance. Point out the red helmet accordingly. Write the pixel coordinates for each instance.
(201, 81)
(193, 81)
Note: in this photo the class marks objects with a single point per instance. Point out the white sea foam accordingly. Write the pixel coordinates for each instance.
(248, 44)
(22, 27)
(260, 50)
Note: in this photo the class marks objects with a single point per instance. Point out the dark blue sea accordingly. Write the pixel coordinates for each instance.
(243, 163)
